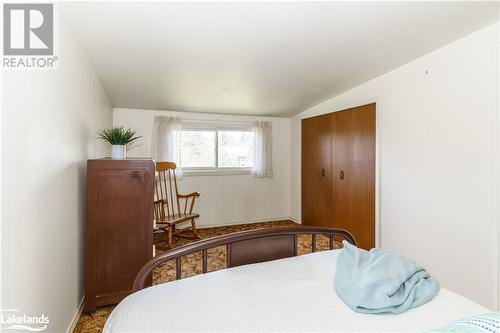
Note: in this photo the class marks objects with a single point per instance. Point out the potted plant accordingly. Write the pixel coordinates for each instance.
(119, 138)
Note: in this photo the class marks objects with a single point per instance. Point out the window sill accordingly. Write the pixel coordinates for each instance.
(230, 172)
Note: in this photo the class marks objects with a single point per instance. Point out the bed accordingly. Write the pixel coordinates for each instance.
(266, 288)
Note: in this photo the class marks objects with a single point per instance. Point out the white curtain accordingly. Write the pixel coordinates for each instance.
(165, 140)
(263, 159)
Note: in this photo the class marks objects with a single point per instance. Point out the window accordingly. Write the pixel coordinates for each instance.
(235, 149)
(197, 149)
(215, 149)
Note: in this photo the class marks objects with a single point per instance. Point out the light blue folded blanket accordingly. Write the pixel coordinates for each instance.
(377, 281)
(483, 323)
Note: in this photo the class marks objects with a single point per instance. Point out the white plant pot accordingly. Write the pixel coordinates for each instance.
(118, 152)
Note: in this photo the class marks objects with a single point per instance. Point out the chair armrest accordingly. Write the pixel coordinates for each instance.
(194, 194)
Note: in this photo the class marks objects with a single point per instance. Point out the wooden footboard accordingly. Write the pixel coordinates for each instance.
(246, 247)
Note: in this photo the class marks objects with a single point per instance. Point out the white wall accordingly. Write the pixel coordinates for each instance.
(226, 199)
(437, 125)
(49, 119)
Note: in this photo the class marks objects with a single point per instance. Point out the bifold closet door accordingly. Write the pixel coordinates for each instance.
(317, 171)
(353, 173)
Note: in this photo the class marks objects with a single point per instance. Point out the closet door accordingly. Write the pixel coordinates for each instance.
(316, 171)
(353, 173)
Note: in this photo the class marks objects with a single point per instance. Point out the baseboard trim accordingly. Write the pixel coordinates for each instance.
(246, 222)
(77, 315)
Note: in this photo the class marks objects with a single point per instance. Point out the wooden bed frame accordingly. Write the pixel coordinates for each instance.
(245, 247)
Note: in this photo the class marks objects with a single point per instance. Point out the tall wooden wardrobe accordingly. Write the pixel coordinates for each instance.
(338, 172)
(119, 229)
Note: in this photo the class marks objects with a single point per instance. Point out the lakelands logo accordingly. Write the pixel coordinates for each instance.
(28, 36)
(11, 319)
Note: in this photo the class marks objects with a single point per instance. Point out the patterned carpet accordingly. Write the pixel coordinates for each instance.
(191, 264)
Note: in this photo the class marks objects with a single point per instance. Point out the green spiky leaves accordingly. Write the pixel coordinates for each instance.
(118, 135)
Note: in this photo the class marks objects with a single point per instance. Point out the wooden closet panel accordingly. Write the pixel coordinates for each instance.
(342, 141)
(353, 159)
(316, 171)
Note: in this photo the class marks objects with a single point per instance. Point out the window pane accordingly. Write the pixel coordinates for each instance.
(235, 149)
(197, 149)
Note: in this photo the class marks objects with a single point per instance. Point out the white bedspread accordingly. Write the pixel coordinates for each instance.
(293, 294)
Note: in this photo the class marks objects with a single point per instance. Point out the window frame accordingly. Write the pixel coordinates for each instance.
(216, 128)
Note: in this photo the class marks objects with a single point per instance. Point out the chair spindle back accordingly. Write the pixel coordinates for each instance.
(166, 200)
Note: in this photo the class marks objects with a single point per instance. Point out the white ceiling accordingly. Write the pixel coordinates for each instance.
(258, 58)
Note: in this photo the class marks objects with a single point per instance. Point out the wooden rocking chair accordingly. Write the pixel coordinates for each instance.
(167, 205)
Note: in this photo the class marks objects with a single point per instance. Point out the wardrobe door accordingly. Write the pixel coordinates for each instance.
(353, 173)
(316, 171)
